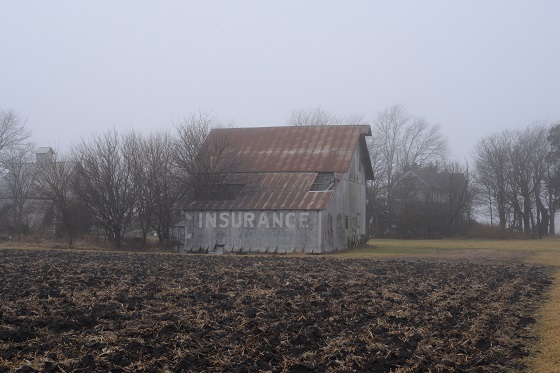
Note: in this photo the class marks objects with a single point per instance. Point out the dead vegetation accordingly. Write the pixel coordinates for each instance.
(101, 311)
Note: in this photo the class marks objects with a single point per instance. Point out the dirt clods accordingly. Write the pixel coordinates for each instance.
(81, 311)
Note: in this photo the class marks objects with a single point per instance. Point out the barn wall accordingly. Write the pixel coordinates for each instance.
(344, 219)
(279, 231)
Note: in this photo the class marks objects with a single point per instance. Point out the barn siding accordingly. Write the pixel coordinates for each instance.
(348, 202)
(278, 231)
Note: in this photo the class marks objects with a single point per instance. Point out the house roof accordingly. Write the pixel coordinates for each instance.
(443, 181)
(44, 150)
(280, 164)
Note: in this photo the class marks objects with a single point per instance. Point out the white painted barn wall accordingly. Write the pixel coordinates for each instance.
(348, 201)
(325, 230)
(298, 232)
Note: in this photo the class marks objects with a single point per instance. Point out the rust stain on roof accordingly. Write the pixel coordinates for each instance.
(281, 164)
(294, 149)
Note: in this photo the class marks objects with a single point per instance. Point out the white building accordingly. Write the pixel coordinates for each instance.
(285, 189)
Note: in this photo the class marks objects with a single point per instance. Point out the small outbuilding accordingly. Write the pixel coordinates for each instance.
(284, 190)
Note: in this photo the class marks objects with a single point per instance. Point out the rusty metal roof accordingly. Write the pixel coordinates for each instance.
(281, 164)
(272, 191)
(294, 148)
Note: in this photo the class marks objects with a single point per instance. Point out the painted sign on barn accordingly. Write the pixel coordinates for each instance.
(231, 230)
(247, 219)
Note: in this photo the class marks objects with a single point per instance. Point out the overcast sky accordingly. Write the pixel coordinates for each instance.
(73, 68)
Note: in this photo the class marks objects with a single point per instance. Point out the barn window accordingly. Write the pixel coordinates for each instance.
(360, 163)
(216, 187)
(323, 182)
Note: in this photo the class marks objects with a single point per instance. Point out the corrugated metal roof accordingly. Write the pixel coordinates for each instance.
(293, 149)
(281, 163)
(272, 191)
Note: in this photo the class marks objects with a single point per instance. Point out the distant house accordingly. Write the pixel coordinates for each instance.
(427, 202)
(22, 207)
(428, 186)
(288, 189)
(44, 154)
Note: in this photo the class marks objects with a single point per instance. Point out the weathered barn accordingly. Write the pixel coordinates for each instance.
(286, 189)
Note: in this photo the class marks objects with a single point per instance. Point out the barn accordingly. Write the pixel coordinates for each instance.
(279, 190)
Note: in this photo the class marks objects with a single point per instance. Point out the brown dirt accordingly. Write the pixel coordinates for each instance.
(84, 311)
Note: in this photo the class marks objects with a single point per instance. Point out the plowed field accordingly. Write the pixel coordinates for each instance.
(86, 311)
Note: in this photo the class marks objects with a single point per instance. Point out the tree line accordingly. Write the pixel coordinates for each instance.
(518, 178)
(113, 184)
(513, 184)
(109, 184)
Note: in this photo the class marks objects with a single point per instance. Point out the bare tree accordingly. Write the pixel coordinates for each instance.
(552, 174)
(12, 133)
(529, 196)
(513, 168)
(165, 187)
(152, 159)
(399, 142)
(191, 133)
(54, 185)
(319, 117)
(205, 163)
(540, 168)
(387, 131)
(105, 183)
(521, 174)
(492, 160)
(18, 180)
(422, 143)
(136, 156)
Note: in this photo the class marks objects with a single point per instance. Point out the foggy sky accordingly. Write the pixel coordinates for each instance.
(73, 68)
